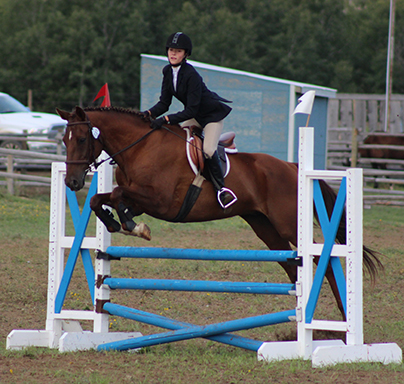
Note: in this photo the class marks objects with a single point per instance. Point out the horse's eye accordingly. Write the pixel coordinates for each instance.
(82, 140)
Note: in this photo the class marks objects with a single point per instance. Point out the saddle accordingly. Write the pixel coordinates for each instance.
(195, 153)
(194, 145)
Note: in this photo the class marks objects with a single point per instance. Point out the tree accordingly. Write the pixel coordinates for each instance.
(65, 51)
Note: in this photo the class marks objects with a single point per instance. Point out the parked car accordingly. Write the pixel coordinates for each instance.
(17, 119)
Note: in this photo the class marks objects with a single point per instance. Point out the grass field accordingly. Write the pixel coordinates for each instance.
(24, 228)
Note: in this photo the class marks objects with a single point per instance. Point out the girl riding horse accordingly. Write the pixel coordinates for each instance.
(203, 108)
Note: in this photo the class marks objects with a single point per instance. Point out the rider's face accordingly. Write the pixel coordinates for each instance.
(175, 55)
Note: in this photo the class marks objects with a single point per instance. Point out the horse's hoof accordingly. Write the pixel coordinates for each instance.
(143, 231)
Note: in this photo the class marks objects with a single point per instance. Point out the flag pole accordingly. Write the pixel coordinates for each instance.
(307, 122)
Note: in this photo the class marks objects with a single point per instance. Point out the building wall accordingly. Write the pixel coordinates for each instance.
(261, 117)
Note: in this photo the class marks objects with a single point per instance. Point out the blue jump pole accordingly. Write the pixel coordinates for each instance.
(165, 322)
(201, 286)
(201, 331)
(200, 254)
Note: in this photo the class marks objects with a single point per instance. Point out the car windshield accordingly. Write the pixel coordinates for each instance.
(9, 105)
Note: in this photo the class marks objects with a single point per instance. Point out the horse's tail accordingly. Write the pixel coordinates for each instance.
(370, 257)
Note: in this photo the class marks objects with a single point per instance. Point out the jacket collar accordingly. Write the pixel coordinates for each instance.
(179, 78)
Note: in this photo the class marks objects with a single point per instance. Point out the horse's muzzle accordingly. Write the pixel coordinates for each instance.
(74, 183)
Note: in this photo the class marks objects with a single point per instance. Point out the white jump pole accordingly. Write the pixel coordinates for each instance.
(329, 352)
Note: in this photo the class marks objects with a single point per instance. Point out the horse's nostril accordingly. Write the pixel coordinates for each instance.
(73, 184)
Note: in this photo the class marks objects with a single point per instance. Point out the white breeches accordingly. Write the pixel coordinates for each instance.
(212, 133)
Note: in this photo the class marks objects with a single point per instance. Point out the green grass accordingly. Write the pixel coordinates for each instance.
(24, 226)
(380, 215)
(24, 218)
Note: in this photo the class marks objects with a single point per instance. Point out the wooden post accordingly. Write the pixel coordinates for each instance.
(354, 149)
(390, 59)
(59, 138)
(30, 99)
(10, 169)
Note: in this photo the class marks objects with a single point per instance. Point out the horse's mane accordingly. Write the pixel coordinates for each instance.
(127, 111)
(133, 112)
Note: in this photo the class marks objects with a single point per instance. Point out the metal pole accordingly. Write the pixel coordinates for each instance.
(389, 69)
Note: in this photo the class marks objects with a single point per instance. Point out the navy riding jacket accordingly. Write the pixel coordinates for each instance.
(200, 103)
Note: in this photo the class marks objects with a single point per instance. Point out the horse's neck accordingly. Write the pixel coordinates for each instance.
(132, 139)
(118, 131)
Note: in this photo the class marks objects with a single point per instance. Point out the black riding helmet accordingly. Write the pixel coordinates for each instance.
(179, 40)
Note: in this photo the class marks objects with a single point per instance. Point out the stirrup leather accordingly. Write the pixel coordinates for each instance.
(224, 190)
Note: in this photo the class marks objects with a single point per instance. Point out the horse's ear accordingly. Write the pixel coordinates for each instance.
(80, 113)
(63, 114)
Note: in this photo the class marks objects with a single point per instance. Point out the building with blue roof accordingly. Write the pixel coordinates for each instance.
(263, 106)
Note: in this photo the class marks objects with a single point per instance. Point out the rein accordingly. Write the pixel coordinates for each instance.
(184, 139)
(92, 159)
(111, 159)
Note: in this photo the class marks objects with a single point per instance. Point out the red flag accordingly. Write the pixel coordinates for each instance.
(104, 92)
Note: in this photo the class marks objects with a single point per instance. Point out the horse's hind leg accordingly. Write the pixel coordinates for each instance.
(270, 236)
(265, 230)
(329, 274)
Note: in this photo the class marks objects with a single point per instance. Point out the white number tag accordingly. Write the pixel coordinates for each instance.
(96, 132)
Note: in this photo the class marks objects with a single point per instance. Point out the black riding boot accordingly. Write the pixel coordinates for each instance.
(225, 196)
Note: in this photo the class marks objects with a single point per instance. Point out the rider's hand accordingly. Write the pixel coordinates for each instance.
(157, 124)
(145, 115)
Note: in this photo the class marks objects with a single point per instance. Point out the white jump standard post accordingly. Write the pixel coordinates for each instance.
(328, 352)
(63, 329)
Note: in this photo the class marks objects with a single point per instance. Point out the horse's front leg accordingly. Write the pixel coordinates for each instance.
(105, 215)
(126, 214)
(124, 203)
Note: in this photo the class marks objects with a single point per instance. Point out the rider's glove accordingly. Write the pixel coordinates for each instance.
(157, 124)
(145, 115)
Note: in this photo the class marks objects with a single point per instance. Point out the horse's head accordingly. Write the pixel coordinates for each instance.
(82, 146)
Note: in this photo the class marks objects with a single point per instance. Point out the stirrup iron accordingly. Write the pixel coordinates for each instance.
(224, 190)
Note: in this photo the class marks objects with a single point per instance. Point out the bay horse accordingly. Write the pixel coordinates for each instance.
(153, 176)
(392, 150)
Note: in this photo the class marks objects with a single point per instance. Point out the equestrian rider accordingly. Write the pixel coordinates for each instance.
(203, 108)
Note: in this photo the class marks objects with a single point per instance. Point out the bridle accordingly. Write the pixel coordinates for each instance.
(91, 158)
(91, 144)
